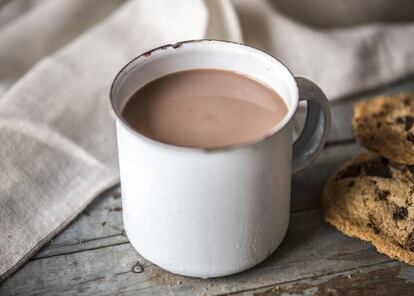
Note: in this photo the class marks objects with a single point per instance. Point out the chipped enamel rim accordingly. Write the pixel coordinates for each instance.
(277, 128)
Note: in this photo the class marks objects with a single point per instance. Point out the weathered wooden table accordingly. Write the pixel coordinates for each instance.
(93, 256)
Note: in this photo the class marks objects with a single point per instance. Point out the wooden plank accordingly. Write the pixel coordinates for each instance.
(391, 278)
(99, 225)
(342, 110)
(311, 248)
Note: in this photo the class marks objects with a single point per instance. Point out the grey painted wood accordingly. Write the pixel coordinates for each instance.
(99, 225)
(311, 248)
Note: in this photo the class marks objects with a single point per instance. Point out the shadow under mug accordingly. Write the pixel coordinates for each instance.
(213, 212)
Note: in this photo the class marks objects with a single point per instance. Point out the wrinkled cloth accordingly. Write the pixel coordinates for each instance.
(58, 59)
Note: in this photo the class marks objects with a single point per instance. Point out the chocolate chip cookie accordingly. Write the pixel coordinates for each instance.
(372, 199)
(385, 125)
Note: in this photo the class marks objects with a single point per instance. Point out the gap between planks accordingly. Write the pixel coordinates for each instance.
(311, 248)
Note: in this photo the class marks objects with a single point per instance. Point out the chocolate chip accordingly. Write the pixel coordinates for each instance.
(410, 137)
(378, 168)
(400, 120)
(410, 168)
(351, 183)
(379, 114)
(374, 228)
(409, 242)
(381, 194)
(409, 122)
(350, 172)
(406, 101)
(400, 214)
(379, 124)
(387, 107)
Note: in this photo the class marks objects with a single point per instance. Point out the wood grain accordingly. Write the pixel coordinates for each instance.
(390, 278)
(311, 248)
(99, 225)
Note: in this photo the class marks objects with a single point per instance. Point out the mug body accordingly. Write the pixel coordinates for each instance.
(205, 212)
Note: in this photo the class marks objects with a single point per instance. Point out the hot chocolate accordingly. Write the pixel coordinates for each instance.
(205, 108)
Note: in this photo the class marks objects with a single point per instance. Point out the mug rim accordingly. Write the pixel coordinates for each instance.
(272, 132)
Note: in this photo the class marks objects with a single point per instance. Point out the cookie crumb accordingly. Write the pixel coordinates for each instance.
(137, 268)
(378, 168)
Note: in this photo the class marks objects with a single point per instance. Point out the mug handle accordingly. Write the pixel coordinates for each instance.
(318, 121)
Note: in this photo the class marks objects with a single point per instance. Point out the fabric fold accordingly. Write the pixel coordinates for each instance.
(340, 60)
(63, 101)
(43, 29)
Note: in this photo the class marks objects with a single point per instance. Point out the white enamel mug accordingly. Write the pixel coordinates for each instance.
(213, 212)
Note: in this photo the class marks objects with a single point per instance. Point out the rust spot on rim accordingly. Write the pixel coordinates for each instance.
(177, 45)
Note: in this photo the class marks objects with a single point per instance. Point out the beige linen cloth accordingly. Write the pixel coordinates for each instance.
(57, 62)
